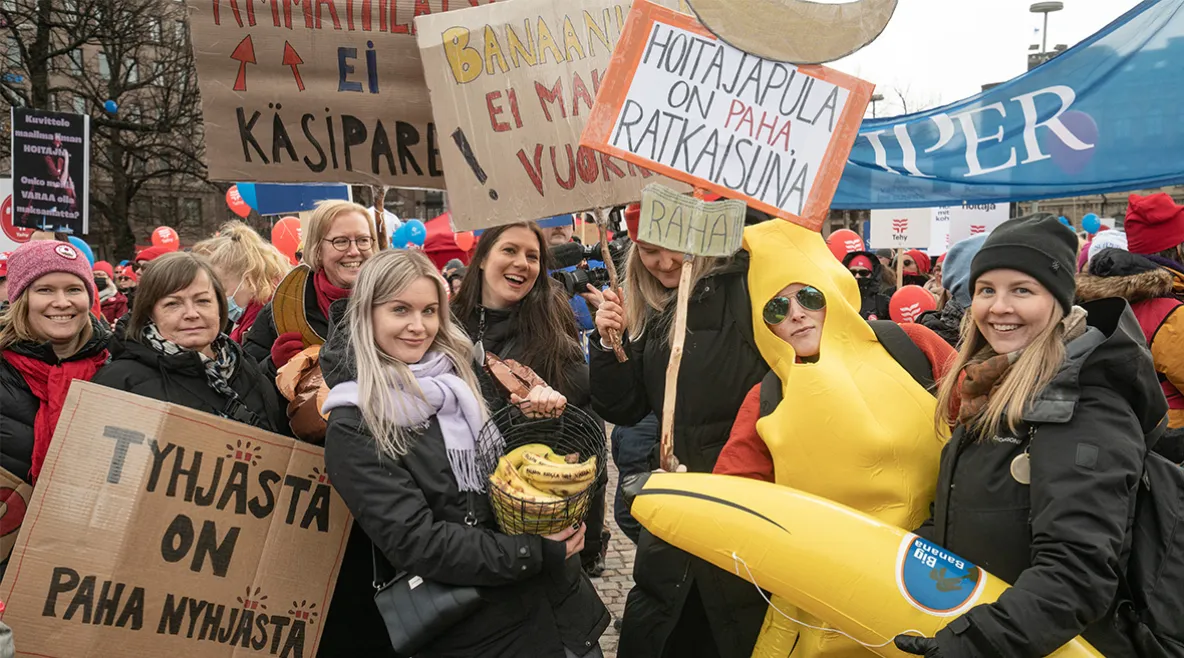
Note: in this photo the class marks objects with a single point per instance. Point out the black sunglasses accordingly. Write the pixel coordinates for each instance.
(861, 273)
(777, 309)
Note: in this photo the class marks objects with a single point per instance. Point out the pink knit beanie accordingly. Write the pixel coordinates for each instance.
(33, 260)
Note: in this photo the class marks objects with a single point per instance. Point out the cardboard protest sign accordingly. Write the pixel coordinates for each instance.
(15, 494)
(51, 171)
(687, 105)
(512, 87)
(304, 92)
(901, 229)
(165, 531)
(688, 225)
(969, 220)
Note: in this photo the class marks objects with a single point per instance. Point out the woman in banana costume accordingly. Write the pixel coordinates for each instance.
(405, 411)
(853, 425)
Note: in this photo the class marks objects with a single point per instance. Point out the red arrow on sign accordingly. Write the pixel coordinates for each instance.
(244, 52)
(292, 58)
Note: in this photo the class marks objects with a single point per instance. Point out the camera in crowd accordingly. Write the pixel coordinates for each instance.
(574, 254)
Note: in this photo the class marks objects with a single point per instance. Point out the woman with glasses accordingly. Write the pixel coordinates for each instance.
(681, 605)
(869, 273)
(846, 412)
(340, 237)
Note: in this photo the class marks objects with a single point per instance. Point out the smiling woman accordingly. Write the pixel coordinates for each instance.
(175, 350)
(47, 338)
(339, 237)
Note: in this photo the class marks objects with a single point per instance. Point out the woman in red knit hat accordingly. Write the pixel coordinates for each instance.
(48, 338)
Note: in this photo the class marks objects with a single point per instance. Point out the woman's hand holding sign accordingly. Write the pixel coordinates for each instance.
(610, 315)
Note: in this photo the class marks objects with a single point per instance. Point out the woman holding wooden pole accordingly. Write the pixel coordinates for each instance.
(681, 606)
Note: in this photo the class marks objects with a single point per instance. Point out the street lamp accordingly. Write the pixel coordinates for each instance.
(876, 98)
(1046, 8)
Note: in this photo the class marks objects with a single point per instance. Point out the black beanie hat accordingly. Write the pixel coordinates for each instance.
(1037, 245)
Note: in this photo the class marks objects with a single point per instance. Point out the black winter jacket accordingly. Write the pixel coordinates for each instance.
(720, 365)
(501, 338)
(874, 295)
(18, 405)
(414, 512)
(1059, 541)
(263, 333)
(181, 379)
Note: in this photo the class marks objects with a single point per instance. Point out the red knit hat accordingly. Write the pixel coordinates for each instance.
(861, 261)
(105, 267)
(632, 219)
(1153, 223)
(150, 253)
(4, 263)
(34, 260)
(921, 259)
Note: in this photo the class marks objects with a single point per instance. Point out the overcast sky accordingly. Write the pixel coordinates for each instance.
(941, 51)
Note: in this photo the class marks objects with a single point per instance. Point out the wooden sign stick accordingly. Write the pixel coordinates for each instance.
(666, 451)
(384, 240)
(899, 269)
(613, 338)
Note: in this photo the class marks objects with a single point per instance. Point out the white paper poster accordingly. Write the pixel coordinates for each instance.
(967, 221)
(907, 228)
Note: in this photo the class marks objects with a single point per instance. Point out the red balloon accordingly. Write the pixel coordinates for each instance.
(909, 303)
(237, 205)
(465, 240)
(166, 238)
(285, 235)
(843, 242)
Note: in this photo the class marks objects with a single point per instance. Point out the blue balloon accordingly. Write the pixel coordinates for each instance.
(400, 239)
(111, 106)
(417, 233)
(1064, 220)
(82, 246)
(1091, 224)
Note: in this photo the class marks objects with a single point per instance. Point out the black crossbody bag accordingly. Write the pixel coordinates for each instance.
(417, 611)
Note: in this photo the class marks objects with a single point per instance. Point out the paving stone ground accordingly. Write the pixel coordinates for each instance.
(617, 580)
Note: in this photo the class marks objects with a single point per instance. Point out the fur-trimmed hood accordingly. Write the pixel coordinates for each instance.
(1116, 273)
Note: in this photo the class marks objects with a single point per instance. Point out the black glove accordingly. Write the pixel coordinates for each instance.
(918, 646)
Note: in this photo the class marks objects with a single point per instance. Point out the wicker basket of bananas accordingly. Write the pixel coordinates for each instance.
(542, 472)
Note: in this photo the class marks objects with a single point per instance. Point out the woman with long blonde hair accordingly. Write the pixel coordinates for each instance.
(681, 606)
(249, 269)
(1050, 405)
(405, 411)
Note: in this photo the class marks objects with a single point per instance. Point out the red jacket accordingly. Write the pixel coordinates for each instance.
(114, 308)
(746, 454)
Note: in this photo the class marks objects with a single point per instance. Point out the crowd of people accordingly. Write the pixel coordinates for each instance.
(789, 371)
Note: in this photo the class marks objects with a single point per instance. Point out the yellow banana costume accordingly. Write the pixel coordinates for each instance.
(854, 427)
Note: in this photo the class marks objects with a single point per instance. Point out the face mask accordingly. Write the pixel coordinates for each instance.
(101, 282)
(233, 310)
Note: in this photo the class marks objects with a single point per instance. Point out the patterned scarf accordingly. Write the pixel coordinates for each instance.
(986, 371)
(219, 369)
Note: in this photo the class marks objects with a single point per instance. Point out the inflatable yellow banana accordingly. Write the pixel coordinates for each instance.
(860, 576)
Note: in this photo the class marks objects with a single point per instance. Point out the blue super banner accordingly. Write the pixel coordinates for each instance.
(1105, 116)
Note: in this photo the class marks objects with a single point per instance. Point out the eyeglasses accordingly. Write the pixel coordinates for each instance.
(777, 309)
(861, 273)
(342, 244)
(908, 263)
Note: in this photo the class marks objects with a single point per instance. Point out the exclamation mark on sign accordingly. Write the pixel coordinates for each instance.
(466, 150)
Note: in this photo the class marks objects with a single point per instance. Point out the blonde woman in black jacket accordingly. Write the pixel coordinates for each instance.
(1037, 484)
(404, 414)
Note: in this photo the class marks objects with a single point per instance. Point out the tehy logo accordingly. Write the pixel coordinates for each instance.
(977, 230)
(66, 251)
(900, 225)
(910, 312)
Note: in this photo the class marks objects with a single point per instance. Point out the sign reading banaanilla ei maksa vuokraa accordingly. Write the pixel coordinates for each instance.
(50, 170)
